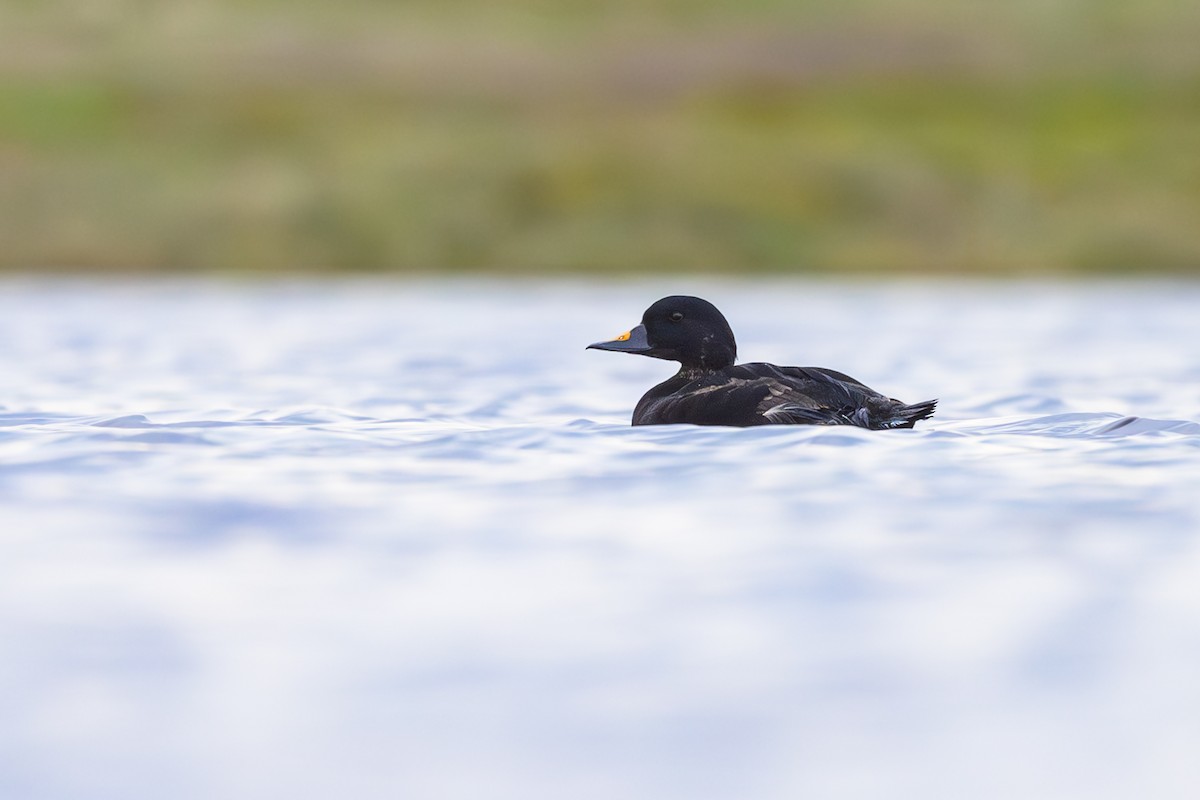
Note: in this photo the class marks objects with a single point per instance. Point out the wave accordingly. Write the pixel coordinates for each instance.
(1078, 425)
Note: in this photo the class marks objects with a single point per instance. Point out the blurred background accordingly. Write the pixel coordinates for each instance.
(615, 137)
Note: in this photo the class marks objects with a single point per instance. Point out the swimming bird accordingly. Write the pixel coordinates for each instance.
(710, 389)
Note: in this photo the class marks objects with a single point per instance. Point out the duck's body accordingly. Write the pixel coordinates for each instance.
(764, 394)
(710, 389)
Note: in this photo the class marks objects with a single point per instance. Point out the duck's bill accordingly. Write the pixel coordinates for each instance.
(632, 341)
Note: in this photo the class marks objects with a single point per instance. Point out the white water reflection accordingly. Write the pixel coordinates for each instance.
(398, 540)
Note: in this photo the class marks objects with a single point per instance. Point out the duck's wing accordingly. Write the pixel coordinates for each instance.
(810, 396)
(755, 394)
(818, 396)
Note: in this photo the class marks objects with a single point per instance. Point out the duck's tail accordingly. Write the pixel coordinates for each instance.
(908, 416)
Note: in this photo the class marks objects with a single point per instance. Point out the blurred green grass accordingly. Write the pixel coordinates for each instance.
(919, 136)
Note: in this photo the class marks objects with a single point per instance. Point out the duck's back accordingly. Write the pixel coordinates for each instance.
(764, 394)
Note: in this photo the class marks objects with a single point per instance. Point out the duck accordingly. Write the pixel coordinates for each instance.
(711, 389)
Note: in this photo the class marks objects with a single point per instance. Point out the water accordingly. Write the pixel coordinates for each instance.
(397, 540)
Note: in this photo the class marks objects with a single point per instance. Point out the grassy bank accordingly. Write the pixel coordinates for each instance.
(918, 136)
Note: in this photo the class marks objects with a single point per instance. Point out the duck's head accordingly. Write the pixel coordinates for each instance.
(679, 328)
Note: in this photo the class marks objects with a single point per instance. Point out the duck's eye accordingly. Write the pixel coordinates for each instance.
(676, 316)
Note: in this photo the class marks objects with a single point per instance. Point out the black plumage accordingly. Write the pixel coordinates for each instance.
(710, 389)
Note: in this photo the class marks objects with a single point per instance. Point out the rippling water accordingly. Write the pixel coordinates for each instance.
(398, 540)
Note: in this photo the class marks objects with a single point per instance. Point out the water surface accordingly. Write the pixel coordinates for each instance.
(365, 539)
